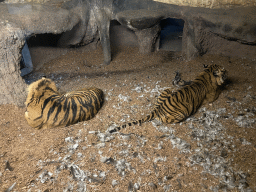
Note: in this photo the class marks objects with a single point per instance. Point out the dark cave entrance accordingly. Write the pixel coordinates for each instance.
(44, 40)
(171, 34)
(35, 45)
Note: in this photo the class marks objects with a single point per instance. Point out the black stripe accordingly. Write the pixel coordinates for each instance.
(66, 109)
(39, 126)
(46, 101)
(42, 83)
(82, 114)
(49, 89)
(55, 119)
(31, 99)
(84, 105)
(52, 109)
(112, 131)
(40, 97)
(74, 109)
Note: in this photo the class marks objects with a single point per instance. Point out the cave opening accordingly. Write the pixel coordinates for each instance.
(171, 34)
(39, 49)
(44, 40)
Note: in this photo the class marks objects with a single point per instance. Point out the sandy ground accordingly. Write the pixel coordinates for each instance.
(212, 151)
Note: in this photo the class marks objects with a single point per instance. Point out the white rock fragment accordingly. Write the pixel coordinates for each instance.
(103, 159)
(249, 87)
(79, 155)
(180, 144)
(100, 145)
(125, 136)
(136, 186)
(160, 145)
(244, 142)
(92, 132)
(84, 147)
(114, 182)
(106, 137)
(167, 188)
(102, 174)
(69, 139)
(138, 89)
(74, 147)
(44, 176)
(159, 159)
(123, 98)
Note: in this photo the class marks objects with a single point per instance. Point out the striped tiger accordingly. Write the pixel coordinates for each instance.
(174, 107)
(47, 108)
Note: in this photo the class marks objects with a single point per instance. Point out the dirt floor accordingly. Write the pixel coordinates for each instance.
(215, 150)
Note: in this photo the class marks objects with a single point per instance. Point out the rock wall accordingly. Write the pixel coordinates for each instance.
(210, 3)
(29, 1)
(17, 22)
(87, 20)
(12, 86)
(192, 3)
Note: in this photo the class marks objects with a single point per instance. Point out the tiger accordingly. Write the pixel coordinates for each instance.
(47, 108)
(176, 106)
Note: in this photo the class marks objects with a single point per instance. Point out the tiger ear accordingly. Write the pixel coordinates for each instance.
(44, 77)
(205, 66)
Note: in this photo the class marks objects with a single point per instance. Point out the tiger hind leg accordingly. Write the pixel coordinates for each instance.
(168, 119)
(171, 119)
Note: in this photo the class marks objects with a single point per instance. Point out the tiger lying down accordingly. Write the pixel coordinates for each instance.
(174, 107)
(47, 108)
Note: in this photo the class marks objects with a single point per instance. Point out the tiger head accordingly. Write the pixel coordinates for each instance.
(218, 73)
(37, 93)
(39, 88)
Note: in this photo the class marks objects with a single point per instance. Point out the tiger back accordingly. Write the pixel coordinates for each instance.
(47, 108)
(174, 107)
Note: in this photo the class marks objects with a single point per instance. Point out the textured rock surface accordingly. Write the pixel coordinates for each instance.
(88, 21)
(17, 22)
(210, 3)
(236, 24)
(12, 86)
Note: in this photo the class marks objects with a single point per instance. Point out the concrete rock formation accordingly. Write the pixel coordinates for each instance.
(143, 17)
(87, 21)
(17, 22)
(210, 3)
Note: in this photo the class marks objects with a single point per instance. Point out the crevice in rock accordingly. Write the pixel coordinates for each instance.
(171, 34)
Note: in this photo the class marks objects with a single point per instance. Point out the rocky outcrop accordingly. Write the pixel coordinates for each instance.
(11, 84)
(210, 3)
(146, 24)
(17, 22)
(143, 17)
(87, 21)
